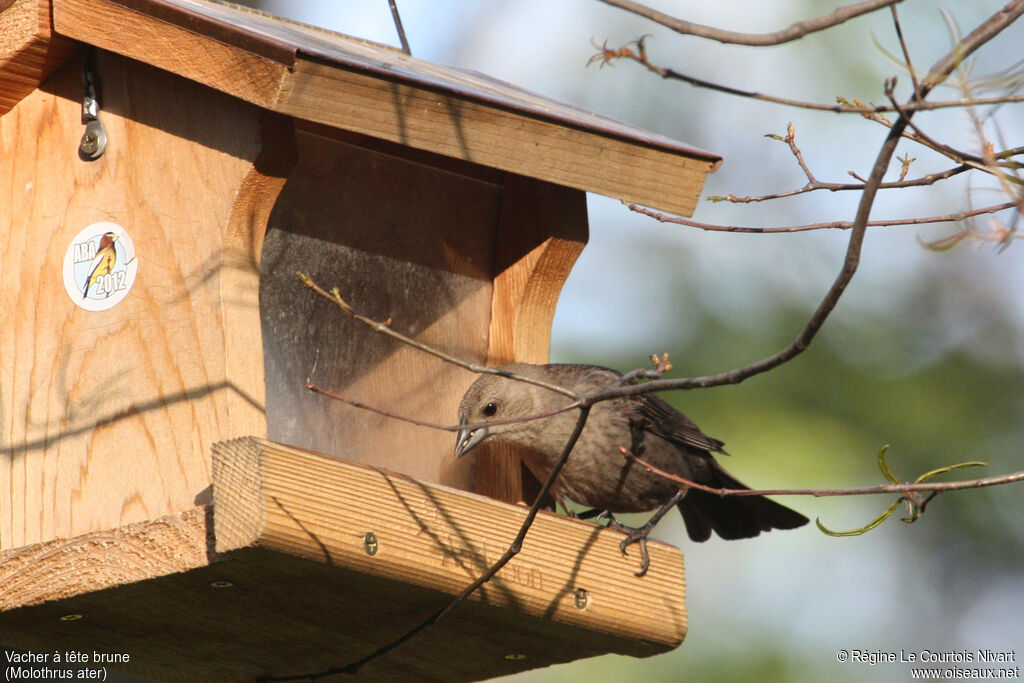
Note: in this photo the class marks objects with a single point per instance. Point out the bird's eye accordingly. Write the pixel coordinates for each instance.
(490, 409)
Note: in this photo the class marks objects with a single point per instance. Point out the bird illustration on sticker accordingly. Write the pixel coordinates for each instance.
(103, 263)
(100, 266)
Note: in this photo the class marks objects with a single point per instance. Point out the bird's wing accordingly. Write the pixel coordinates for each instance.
(647, 411)
(101, 264)
(657, 416)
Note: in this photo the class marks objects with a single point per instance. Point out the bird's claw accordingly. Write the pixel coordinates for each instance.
(635, 536)
(638, 536)
(610, 521)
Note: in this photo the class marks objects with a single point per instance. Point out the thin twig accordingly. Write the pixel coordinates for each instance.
(813, 184)
(511, 552)
(608, 54)
(968, 162)
(923, 181)
(966, 159)
(793, 32)
(952, 104)
(384, 328)
(433, 425)
(903, 47)
(939, 486)
(842, 225)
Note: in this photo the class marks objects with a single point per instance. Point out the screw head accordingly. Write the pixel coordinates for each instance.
(94, 141)
(90, 142)
(370, 544)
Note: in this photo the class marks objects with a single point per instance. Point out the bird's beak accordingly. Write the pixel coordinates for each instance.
(468, 440)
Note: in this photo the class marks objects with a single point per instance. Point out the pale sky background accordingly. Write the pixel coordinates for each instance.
(798, 596)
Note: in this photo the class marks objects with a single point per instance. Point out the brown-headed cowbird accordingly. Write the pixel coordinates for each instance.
(597, 474)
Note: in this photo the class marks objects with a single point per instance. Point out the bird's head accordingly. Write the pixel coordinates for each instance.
(495, 399)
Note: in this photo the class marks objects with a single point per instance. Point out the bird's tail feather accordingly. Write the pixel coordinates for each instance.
(733, 517)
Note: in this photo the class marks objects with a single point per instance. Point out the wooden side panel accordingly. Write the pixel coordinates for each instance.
(542, 231)
(108, 416)
(29, 50)
(239, 274)
(402, 240)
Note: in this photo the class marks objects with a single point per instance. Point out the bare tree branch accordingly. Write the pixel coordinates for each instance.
(511, 552)
(982, 33)
(903, 47)
(939, 72)
(843, 225)
(398, 27)
(433, 425)
(916, 504)
(793, 32)
(813, 184)
(334, 296)
(608, 55)
(919, 136)
(940, 486)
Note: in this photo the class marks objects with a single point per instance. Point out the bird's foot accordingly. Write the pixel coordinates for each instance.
(640, 534)
(636, 535)
(614, 523)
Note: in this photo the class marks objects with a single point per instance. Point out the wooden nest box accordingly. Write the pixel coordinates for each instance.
(170, 492)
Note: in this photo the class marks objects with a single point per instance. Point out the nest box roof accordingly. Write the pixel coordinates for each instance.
(375, 90)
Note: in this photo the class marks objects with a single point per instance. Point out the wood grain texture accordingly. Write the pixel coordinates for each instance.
(433, 537)
(239, 274)
(494, 137)
(108, 416)
(174, 49)
(269, 613)
(29, 50)
(63, 568)
(412, 114)
(296, 592)
(542, 231)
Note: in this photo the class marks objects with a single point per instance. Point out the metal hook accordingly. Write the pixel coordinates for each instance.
(94, 139)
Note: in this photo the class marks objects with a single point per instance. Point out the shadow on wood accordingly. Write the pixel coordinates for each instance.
(294, 587)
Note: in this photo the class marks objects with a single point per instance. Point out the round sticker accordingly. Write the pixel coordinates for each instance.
(100, 267)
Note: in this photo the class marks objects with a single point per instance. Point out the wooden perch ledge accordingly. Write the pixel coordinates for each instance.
(316, 562)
